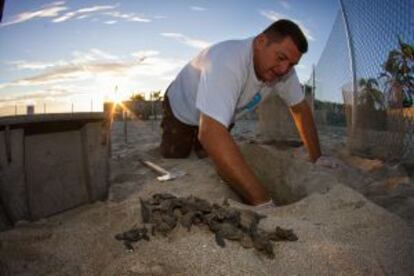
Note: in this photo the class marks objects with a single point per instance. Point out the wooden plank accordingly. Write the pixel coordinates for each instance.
(55, 172)
(13, 192)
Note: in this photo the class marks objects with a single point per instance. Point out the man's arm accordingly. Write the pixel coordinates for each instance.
(229, 161)
(302, 115)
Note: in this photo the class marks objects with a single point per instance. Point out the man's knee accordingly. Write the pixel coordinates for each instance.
(175, 144)
(169, 150)
(177, 138)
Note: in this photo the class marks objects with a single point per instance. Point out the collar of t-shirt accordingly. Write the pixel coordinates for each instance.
(262, 92)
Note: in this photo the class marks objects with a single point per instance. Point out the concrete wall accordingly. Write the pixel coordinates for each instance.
(50, 163)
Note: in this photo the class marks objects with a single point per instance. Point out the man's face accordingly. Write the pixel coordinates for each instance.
(274, 59)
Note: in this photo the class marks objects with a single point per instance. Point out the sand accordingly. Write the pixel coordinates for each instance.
(356, 219)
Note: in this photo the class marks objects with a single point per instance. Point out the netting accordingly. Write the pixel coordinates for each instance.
(365, 77)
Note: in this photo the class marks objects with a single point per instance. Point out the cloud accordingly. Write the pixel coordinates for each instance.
(284, 4)
(39, 94)
(51, 10)
(83, 16)
(65, 73)
(85, 77)
(93, 54)
(32, 65)
(81, 83)
(195, 43)
(55, 11)
(83, 11)
(65, 17)
(97, 63)
(96, 8)
(160, 16)
(197, 8)
(142, 55)
(274, 16)
(56, 3)
(131, 17)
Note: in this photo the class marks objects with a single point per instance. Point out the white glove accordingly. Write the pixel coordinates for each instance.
(265, 206)
(323, 160)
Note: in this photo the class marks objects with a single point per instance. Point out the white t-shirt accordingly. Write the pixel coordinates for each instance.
(220, 82)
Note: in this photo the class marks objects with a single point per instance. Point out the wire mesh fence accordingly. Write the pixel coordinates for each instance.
(365, 77)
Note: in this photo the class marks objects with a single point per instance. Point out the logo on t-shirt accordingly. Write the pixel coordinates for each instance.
(250, 106)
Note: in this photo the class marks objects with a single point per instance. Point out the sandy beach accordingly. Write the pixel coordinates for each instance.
(81, 241)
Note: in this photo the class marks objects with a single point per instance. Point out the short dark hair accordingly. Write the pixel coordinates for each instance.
(283, 28)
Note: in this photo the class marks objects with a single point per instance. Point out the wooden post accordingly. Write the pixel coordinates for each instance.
(152, 110)
(124, 115)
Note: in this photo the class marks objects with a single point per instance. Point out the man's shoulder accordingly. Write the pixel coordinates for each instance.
(234, 43)
(226, 57)
(230, 49)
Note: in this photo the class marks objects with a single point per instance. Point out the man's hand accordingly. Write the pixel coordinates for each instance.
(229, 162)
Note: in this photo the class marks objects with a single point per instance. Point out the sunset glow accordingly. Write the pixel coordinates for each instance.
(70, 55)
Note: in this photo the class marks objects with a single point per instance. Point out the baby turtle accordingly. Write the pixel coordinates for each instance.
(262, 243)
(249, 220)
(190, 218)
(227, 231)
(131, 236)
(164, 211)
(281, 234)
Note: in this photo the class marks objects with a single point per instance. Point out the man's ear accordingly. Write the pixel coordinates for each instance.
(260, 41)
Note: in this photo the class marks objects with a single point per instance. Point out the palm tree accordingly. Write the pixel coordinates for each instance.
(155, 99)
(138, 97)
(399, 75)
(370, 94)
(156, 96)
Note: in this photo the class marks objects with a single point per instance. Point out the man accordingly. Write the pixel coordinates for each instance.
(202, 103)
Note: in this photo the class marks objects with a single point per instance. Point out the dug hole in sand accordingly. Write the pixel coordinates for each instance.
(339, 230)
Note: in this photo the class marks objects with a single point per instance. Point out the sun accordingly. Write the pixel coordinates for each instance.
(116, 98)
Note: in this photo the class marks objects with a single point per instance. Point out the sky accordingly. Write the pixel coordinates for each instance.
(64, 56)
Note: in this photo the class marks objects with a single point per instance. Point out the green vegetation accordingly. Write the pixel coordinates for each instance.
(399, 75)
(144, 109)
(335, 112)
(370, 95)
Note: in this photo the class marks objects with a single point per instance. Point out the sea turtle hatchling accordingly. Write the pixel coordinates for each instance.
(132, 236)
(163, 212)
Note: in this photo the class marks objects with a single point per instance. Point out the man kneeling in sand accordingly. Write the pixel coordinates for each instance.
(223, 80)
